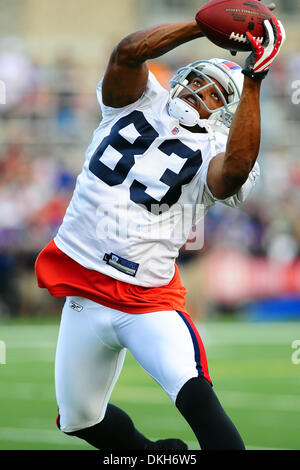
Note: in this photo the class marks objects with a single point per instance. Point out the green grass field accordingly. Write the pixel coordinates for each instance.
(250, 365)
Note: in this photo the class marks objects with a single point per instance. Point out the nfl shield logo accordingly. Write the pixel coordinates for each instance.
(175, 131)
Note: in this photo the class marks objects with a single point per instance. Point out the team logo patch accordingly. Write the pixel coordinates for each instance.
(121, 264)
(75, 306)
(231, 65)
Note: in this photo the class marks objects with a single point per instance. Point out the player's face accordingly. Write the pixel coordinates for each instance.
(209, 95)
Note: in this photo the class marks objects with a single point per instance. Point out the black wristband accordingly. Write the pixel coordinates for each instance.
(256, 76)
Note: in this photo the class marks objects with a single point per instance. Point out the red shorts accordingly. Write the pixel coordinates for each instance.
(64, 277)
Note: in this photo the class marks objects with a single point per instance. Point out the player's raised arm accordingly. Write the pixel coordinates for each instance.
(229, 171)
(126, 75)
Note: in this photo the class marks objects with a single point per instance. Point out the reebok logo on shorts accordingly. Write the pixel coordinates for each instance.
(75, 306)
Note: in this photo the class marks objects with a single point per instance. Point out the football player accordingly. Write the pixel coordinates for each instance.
(154, 157)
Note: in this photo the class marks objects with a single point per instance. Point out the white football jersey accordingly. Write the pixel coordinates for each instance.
(141, 189)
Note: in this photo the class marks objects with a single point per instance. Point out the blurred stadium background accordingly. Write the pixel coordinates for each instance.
(244, 285)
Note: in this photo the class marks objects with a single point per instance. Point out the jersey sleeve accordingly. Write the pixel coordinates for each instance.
(152, 92)
(237, 199)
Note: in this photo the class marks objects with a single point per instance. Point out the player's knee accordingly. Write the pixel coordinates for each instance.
(58, 424)
(81, 433)
(73, 417)
(196, 392)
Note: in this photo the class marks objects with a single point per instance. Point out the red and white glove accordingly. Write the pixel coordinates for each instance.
(258, 63)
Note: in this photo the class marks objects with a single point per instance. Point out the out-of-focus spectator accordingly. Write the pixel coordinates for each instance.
(16, 71)
(66, 89)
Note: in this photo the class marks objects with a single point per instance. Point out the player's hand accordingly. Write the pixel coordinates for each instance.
(258, 63)
(271, 7)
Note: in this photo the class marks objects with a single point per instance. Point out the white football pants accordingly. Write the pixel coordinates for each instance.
(91, 349)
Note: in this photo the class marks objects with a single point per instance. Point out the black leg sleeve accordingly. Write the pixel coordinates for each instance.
(199, 405)
(115, 431)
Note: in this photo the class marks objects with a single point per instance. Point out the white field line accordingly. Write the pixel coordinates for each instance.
(193, 445)
(249, 334)
(27, 391)
(128, 394)
(58, 438)
(209, 340)
(231, 399)
(26, 345)
(257, 401)
(29, 336)
(39, 436)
